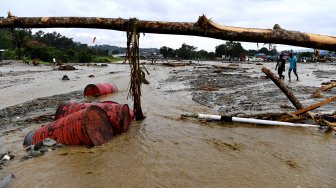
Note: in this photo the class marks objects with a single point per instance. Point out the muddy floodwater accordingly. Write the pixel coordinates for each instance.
(165, 150)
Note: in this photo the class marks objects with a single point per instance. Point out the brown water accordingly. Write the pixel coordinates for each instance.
(166, 151)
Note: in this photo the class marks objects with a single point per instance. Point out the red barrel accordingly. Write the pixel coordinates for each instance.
(119, 114)
(130, 111)
(100, 89)
(90, 126)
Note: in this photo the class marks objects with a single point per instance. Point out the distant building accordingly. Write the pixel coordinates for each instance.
(260, 55)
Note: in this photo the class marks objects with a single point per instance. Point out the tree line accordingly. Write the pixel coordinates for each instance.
(230, 50)
(23, 44)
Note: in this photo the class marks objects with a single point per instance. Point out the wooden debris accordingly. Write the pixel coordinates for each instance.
(324, 102)
(203, 27)
(283, 88)
(322, 122)
(66, 67)
(176, 64)
(317, 93)
(225, 67)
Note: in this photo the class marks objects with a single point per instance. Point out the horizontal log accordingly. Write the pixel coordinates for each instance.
(203, 28)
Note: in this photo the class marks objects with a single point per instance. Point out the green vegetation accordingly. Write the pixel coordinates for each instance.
(39, 62)
(232, 49)
(107, 59)
(23, 44)
(229, 50)
(186, 52)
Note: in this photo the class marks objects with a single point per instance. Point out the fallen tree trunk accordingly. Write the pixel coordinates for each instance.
(293, 99)
(303, 110)
(204, 27)
(283, 88)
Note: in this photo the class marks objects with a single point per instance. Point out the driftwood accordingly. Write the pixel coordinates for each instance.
(204, 27)
(225, 67)
(293, 99)
(317, 94)
(326, 101)
(283, 88)
(176, 64)
(321, 121)
(285, 117)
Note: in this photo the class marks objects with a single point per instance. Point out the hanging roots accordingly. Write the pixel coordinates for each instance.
(132, 56)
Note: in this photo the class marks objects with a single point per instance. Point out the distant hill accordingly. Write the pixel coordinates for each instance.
(121, 50)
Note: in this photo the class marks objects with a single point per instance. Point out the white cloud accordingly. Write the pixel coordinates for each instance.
(301, 15)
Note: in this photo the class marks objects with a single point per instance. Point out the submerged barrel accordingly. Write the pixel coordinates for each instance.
(90, 126)
(130, 110)
(119, 114)
(100, 89)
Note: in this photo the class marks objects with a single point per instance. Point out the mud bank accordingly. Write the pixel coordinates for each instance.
(165, 150)
(241, 88)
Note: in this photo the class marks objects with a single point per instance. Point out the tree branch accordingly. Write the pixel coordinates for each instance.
(203, 28)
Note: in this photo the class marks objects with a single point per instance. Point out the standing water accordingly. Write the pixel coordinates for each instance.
(165, 150)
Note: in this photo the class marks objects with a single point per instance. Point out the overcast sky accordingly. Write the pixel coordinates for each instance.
(311, 16)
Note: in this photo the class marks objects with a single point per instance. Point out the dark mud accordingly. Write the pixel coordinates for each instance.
(39, 110)
(236, 89)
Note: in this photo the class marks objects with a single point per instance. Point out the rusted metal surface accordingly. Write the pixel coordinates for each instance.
(100, 89)
(89, 127)
(119, 114)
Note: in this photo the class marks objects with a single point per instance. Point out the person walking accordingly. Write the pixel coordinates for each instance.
(292, 66)
(281, 66)
(54, 61)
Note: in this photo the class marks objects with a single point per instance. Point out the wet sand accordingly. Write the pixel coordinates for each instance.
(165, 150)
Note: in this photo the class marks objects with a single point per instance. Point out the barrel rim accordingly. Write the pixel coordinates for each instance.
(28, 140)
(91, 86)
(91, 129)
(98, 86)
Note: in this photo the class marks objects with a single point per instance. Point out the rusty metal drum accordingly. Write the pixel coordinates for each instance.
(100, 89)
(119, 114)
(90, 126)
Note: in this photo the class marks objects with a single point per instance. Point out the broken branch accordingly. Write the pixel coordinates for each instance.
(324, 102)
